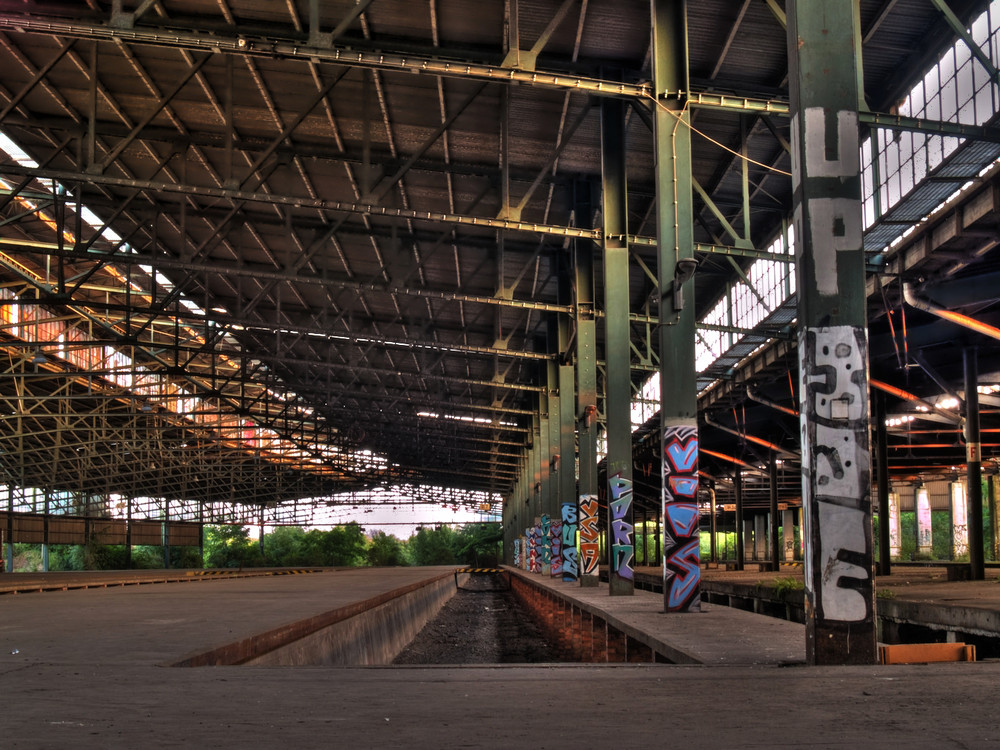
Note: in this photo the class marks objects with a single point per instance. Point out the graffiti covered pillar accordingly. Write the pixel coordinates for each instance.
(678, 404)
(617, 350)
(832, 334)
(586, 391)
(566, 476)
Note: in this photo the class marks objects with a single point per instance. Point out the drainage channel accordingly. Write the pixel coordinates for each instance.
(477, 616)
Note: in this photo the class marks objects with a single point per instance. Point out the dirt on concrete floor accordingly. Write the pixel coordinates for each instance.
(479, 625)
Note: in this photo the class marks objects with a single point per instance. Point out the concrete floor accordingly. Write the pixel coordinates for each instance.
(87, 674)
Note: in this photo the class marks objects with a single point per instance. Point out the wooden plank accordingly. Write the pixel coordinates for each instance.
(923, 653)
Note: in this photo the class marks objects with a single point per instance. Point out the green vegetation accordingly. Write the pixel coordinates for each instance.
(285, 546)
(783, 586)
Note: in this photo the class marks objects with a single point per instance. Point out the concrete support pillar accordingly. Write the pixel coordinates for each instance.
(788, 534)
(922, 504)
(751, 551)
(895, 541)
(618, 353)
(959, 521)
(676, 266)
(760, 537)
(824, 90)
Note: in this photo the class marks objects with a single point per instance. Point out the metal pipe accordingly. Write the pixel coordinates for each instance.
(934, 309)
(759, 441)
(754, 396)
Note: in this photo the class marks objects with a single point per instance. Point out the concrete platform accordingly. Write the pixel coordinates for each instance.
(716, 636)
(85, 675)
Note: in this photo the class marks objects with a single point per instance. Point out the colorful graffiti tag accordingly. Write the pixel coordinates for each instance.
(534, 565)
(590, 548)
(517, 553)
(681, 554)
(545, 542)
(555, 532)
(570, 563)
(622, 546)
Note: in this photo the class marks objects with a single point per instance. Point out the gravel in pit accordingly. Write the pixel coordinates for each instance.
(479, 625)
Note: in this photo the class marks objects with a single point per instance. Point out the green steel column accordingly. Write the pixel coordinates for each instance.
(551, 511)
(973, 463)
(678, 389)
(586, 391)
(823, 55)
(617, 352)
(566, 512)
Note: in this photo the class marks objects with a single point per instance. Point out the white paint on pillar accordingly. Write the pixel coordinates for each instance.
(841, 528)
(959, 521)
(925, 542)
(748, 548)
(895, 548)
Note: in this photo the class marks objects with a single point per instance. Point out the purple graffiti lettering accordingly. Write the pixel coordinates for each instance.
(622, 555)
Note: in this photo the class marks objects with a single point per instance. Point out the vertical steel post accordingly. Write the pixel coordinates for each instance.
(676, 264)
(713, 544)
(740, 550)
(824, 54)
(617, 350)
(973, 461)
(882, 464)
(45, 535)
(772, 485)
(586, 389)
(9, 545)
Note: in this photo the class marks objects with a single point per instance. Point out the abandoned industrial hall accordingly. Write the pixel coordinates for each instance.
(657, 286)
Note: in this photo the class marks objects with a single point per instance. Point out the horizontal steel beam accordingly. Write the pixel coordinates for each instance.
(166, 262)
(436, 62)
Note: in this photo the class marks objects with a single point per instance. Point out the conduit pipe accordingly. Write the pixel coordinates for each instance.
(754, 396)
(732, 460)
(759, 441)
(945, 314)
